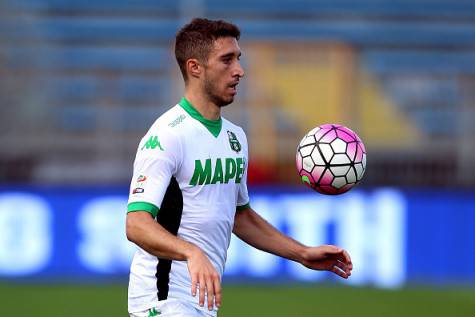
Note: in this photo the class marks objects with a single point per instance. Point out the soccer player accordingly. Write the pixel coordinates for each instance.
(189, 192)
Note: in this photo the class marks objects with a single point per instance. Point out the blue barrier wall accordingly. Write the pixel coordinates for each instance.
(394, 236)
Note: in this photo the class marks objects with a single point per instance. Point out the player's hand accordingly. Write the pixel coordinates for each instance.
(205, 278)
(328, 258)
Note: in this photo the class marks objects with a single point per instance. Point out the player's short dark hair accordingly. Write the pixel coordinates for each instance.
(196, 39)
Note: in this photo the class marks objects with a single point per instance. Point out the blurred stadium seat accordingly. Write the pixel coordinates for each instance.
(85, 79)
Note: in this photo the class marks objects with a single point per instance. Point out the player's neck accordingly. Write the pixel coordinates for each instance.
(205, 107)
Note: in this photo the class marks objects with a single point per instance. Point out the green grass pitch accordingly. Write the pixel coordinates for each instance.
(249, 301)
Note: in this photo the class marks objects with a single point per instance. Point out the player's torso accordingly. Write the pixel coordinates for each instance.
(209, 177)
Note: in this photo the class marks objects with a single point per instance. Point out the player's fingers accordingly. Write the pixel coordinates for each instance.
(340, 254)
(217, 290)
(343, 266)
(194, 281)
(335, 269)
(202, 290)
(331, 249)
(210, 292)
(347, 258)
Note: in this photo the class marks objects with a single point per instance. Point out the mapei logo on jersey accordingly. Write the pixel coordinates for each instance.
(234, 142)
(222, 171)
(152, 143)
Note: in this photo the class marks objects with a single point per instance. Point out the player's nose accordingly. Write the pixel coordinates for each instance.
(238, 71)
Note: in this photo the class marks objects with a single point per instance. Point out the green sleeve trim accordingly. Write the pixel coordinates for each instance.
(143, 206)
(240, 208)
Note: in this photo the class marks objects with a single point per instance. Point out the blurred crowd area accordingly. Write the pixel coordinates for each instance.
(81, 82)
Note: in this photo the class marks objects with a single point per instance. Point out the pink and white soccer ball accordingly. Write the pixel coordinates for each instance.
(331, 159)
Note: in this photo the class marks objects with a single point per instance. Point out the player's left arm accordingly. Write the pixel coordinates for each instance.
(256, 231)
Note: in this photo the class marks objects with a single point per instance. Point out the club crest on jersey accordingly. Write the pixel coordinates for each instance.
(234, 142)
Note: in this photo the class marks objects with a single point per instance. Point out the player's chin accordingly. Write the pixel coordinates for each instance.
(227, 99)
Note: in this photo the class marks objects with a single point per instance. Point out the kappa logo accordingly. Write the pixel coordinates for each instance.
(152, 143)
(154, 312)
(234, 142)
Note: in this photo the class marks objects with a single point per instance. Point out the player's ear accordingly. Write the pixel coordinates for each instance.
(194, 67)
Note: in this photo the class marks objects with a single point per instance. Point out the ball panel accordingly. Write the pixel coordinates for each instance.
(340, 159)
(359, 171)
(320, 133)
(359, 154)
(306, 150)
(327, 178)
(327, 189)
(317, 172)
(329, 137)
(338, 145)
(351, 176)
(351, 150)
(307, 140)
(317, 157)
(326, 151)
(339, 182)
(345, 135)
(298, 161)
(340, 170)
(307, 164)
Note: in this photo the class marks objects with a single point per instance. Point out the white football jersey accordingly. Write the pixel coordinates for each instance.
(190, 174)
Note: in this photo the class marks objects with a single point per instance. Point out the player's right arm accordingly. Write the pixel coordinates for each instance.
(148, 234)
(144, 231)
(158, 159)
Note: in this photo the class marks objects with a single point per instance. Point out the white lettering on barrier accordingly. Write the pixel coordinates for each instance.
(26, 238)
(371, 227)
(103, 246)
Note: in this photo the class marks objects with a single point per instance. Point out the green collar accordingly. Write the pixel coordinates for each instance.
(213, 126)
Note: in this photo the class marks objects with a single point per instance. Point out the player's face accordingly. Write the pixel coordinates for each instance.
(223, 71)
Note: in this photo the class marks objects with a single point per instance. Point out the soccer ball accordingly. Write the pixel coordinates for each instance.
(331, 159)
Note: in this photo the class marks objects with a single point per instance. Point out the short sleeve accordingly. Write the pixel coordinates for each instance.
(243, 195)
(157, 160)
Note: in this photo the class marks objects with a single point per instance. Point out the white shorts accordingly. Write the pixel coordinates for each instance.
(171, 308)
